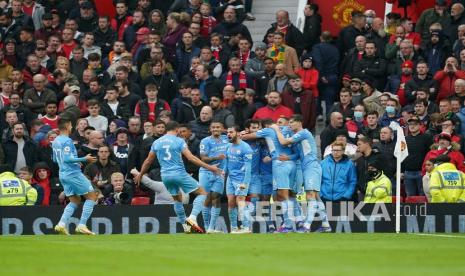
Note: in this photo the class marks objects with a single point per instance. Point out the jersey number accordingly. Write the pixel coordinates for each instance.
(168, 153)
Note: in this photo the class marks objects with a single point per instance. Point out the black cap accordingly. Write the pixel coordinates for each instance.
(47, 16)
(86, 5)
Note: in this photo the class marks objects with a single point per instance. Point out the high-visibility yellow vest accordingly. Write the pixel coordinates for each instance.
(15, 191)
(447, 184)
(379, 190)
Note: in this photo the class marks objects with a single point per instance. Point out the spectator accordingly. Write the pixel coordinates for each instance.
(418, 144)
(42, 176)
(445, 146)
(436, 51)
(346, 37)
(70, 109)
(441, 188)
(292, 35)
(104, 35)
(328, 135)
(372, 98)
(135, 128)
(36, 97)
(236, 76)
(341, 137)
(94, 119)
(175, 31)
(301, 101)
(422, 79)
(33, 68)
(391, 117)
(221, 114)
(164, 80)
(24, 196)
(231, 26)
(241, 109)
(280, 80)
(19, 150)
(309, 75)
(274, 109)
(150, 108)
(370, 155)
(326, 57)
(119, 192)
(193, 143)
(100, 172)
(355, 87)
(190, 109)
(19, 16)
(353, 55)
(378, 35)
(437, 14)
(312, 26)
(201, 126)
(244, 53)
(396, 57)
(386, 147)
(35, 11)
(378, 188)
(344, 106)
(122, 19)
(22, 112)
(209, 85)
(447, 77)
(26, 174)
(78, 63)
(371, 66)
(220, 49)
(96, 140)
(339, 176)
(283, 54)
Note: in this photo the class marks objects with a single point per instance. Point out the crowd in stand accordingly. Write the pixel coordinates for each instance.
(121, 79)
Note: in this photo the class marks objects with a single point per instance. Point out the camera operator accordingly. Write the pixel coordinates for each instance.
(122, 191)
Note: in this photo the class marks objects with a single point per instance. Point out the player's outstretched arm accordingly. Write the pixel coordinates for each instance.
(248, 136)
(282, 140)
(145, 167)
(195, 160)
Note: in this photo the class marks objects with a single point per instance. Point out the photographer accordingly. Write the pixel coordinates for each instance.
(121, 192)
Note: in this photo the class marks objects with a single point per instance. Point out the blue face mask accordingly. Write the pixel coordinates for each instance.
(390, 109)
(358, 115)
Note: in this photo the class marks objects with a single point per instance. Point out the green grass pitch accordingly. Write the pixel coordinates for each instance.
(259, 254)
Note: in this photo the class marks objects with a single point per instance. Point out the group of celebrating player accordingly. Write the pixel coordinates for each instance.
(266, 160)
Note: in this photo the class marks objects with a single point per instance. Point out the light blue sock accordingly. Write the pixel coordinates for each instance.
(215, 213)
(285, 209)
(67, 213)
(197, 205)
(232, 217)
(297, 209)
(87, 209)
(322, 214)
(253, 201)
(312, 208)
(206, 216)
(180, 212)
(244, 216)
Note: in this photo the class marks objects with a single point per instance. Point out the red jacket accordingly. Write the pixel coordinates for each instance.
(274, 114)
(446, 83)
(309, 79)
(28, 75)
(126, 23)
(456, 158)
(307, 106)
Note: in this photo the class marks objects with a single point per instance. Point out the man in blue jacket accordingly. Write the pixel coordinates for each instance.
(339, 176)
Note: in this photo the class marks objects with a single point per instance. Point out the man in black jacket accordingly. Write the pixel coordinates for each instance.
(371, 66)
(241, 109)
(20, 150)
(104, 35)
(221, 114)
(208, 84)
(348, 34)
(353, 55)
(231, 27)
(422, 79)
(201, 126)
(329, 133)
(418, 146)
(189, 109)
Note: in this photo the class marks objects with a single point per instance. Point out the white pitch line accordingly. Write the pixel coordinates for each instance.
(440, 235)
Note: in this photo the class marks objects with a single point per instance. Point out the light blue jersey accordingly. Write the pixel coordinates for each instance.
(256, 146)
(71, 177)
(273, 144)
(306, 146)
(65, 155)
(168, 149)
(213, 147)
(239, 167)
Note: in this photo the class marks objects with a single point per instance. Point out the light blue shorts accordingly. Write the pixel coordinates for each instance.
(283, 174)
(312, 176)
(183, 181)
(255, 184)
(211, 182)
(232, 188)
(267, 184)
(76, 184)
(296, 187)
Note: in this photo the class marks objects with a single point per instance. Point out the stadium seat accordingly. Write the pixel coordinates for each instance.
(140, 201)
(394, 199)
(416, 199)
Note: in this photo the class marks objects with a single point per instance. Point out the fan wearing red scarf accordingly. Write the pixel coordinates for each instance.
(42, 176)
(236, 76)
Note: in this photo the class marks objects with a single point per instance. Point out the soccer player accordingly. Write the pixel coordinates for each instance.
(212, 152)
(255, 189)
(239, 166)
(283, 168)
(311, 170)
(169, 150)
(75, 184)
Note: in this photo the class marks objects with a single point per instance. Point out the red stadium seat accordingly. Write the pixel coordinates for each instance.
(140, 201)
(394, 199)
(416, 199)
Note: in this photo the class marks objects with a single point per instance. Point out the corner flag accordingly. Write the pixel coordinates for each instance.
(400, 152)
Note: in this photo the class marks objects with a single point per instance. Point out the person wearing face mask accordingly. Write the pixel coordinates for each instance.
(357, 122)
(391, 116)
(379, 186)
(445, 146)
